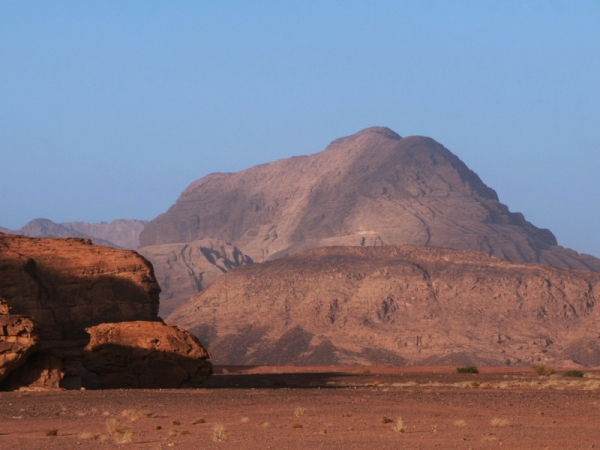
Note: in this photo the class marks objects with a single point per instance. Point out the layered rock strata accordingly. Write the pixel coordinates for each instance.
(397, 305)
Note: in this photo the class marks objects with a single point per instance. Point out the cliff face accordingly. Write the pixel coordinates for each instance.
(397, 305)
(69, 289)
(372, 188)
(182, 270)
(68, 285)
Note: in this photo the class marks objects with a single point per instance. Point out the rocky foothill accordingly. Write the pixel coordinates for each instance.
(397, 305)
(55, 290)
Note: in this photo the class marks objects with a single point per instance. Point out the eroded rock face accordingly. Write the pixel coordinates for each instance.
(182, 270)
(372, 188)
(145, 355)
(68, 285)
(397, 305)
(19, 338)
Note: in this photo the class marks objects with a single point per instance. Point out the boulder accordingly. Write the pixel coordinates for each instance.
(19, 338)
(145, 355)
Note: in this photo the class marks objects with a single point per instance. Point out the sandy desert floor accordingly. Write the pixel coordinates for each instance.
(318, 408)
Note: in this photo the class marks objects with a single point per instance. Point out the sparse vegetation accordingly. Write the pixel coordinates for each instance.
(175, 422)
(51, 432)
(185, 432)
(245, 420)
(120, 433)
(497, 422)
(219, 433)
(363, 370)
(573, 373)
(385, 419)
(543, 371)
(467, 369)
(399, 425)
(137, 414)
(173, 432)
(299, 411)
(297, 425)
(460, 423)
(198, 420)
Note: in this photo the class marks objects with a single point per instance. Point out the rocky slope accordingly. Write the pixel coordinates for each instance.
(70, 285)
(182, 270)
(118, 233)
(372, 188)
(397, 305)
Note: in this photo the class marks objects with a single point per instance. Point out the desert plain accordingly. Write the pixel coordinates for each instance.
(275, 407)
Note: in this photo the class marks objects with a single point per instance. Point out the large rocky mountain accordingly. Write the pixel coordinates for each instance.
(397, 305)
(371, 188)
(119, 233)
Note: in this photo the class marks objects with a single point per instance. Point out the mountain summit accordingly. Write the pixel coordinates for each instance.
(369, 189)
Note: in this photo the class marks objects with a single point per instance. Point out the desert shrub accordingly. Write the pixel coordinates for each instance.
(573, 373)
(219, 433)
(467, 369)
(51, 432)
(363, 370)
(496, 422)
(198, 420)
(460, 423)
(542, 370)
(297, 425)
(399, 425)
(385, 419)
(299, 411)
(120, 433)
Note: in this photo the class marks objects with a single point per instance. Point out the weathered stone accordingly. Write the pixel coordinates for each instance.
(145, 355)
(41, 371)
(19, 338)
(397, 305)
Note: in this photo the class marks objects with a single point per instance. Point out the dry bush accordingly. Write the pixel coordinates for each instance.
(158, 427)
(297, 425)
(245, 420)
(299, 411)
(137, 414)
(399, 425)
(573, 373)
(185, 432)
(542, 370)
(363, 370)
(173, 432)
(460, 423)
(467, 369)
(497, 422)
(346, 414)
(175, 422)
(198, 420)
(120, 433)
(385, 419)
(263, 423)
(51, 432)
(219, 433)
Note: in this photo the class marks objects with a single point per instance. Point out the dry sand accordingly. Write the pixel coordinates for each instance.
(319, 407)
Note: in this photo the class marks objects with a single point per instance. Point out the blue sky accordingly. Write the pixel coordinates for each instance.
(110, 109)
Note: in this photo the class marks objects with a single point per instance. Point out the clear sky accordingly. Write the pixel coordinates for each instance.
(109, 109)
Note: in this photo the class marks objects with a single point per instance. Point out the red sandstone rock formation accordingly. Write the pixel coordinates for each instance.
(397, 305)
(145, 355)
(19, 338)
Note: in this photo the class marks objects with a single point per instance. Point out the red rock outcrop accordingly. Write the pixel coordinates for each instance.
(68, 285)
(19, 338)
(397, 305)
(145, 355)
(182, 270)
(371, 188)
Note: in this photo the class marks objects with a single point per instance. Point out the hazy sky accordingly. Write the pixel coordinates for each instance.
(110, 109)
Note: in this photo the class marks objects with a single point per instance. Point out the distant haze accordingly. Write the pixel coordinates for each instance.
(110, 109)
